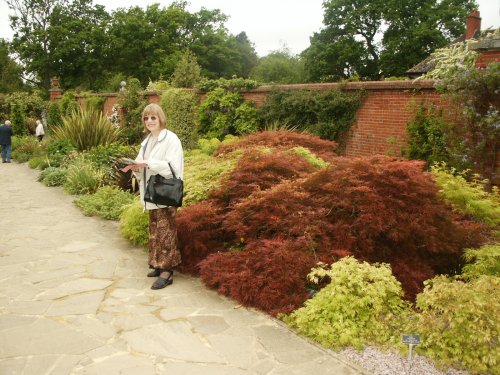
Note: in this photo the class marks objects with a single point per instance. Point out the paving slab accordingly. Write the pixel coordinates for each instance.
(74, 299)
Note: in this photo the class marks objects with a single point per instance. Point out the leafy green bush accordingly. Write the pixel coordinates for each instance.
(467, 197)
(104, 155)
(187, 71)
(68, 104)
(181, 110)
(360, 304)
(459, 322)
(328, 114)
(208, 146)
(83, 177)
(475, 92)
(62, 147)
(24, 148)
(426, 133)
(134, 223)
(86, 128)
(107, 202)
(35, 162)
(482, 261)
(57, 150)
(234, 84)
(132, 101)
(224, 113)
(52, 176)
(95, 101)
(54, 117)
(246, 119)
(17, 118)
(33, 103)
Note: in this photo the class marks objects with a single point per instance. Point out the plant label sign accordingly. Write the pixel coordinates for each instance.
(411, 339)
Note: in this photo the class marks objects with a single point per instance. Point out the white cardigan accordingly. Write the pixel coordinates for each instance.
(168, 149)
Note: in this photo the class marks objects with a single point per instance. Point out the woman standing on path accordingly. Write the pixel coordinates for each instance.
(159, 149)
(39, 132)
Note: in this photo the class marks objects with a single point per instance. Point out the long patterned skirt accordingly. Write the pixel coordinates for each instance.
(163, 248)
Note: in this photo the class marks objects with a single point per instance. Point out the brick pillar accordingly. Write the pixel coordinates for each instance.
(473, 25)
(55, 91)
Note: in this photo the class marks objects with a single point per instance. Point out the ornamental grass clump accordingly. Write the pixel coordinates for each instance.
(361, 303)
(86, 128)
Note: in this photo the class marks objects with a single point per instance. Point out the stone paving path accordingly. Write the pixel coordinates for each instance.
(74, 299)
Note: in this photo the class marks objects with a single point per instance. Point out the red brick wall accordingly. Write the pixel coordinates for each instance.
(486, 57)
(380, 127)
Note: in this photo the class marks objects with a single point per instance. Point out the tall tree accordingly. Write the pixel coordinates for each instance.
(31, 22)
(59, 37)
(78, 43)
(279, 67)
(10, 71)
(376, 38)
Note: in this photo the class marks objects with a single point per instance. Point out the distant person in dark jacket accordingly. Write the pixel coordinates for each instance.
(6, 141)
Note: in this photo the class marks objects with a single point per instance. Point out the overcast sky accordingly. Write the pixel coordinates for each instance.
(269, 24)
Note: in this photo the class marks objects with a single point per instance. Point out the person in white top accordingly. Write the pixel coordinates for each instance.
(159, 149)
(39, 132)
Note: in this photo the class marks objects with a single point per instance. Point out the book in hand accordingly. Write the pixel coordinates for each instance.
(127, 161)
(131, 164)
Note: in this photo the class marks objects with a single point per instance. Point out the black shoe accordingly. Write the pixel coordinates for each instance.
(161, 282)
(154, 273)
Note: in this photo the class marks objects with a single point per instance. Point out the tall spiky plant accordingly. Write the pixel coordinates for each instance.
(86, 128)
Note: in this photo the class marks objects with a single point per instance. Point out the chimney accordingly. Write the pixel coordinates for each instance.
(473, 25)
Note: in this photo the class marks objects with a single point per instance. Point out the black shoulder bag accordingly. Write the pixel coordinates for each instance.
(164, 191)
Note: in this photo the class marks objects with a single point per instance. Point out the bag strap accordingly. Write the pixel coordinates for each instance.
(172, 171)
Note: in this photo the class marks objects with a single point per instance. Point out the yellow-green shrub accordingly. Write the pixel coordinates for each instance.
(310, 157)
(485, 261)
(134, 223)
(359, 305)
(467, 197)
(203, 173)
(459, 321)
(107, 202)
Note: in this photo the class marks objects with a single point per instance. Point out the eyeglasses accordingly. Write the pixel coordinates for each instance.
(152, 118)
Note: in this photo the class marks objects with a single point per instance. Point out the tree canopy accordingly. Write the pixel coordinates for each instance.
(381, 38)
(279, 67)
(86, 46)
(10, 71)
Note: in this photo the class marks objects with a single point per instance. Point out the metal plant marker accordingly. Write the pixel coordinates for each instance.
(411, 340)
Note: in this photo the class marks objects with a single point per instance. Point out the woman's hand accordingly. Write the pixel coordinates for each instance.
(135, 167)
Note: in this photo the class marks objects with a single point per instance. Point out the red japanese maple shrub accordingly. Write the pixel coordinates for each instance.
(258, 170)
(379, 209)
(200, 233)
(268, 274)
(282, 139)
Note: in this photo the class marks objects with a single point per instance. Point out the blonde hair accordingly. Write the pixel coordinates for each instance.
(154, 109)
